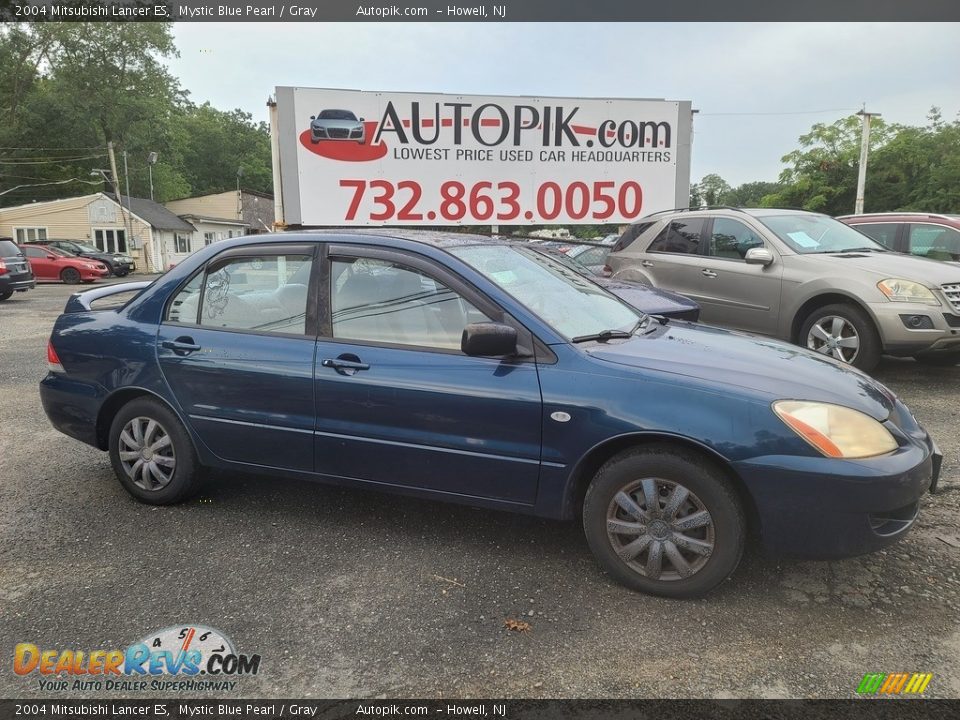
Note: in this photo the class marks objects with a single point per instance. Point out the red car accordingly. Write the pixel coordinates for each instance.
(50, 263)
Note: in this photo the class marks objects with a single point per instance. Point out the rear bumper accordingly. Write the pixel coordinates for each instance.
(17, 283)
(822, 508)
(72, 407)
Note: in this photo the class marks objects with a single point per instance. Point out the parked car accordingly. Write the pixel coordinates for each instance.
(118, 264)
(458, 368)
(932, 236)
(337, 125)
(801, 277)
(646, 299)
(51, 263)
(15, 273)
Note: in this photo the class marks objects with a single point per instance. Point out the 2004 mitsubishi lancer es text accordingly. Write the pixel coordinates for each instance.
(458, 368)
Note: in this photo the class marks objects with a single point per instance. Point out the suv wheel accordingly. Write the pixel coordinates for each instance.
(664, 524)
(151, 453)
(5, 294)
(843, 332)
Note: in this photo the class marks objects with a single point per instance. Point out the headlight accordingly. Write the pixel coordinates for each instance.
(899, 290)
(834, 430)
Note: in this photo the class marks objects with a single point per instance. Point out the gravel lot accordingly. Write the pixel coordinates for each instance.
(348, 594)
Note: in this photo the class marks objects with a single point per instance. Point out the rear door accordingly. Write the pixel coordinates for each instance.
(236, 347)
(673, 260)
(398, 403)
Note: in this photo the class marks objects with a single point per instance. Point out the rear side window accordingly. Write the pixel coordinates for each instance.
(883, 233)
(266, 293)
(630, 235)
(937, 242)
(8, 249)
(680, 236)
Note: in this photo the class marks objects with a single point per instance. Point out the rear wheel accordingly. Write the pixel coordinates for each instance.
(151, 453)
(843, 332)
(71, 276)
(6, 294)
(664, 524)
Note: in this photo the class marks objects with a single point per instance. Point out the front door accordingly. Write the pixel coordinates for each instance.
(236, 348)
(110, 240)
(399, 404)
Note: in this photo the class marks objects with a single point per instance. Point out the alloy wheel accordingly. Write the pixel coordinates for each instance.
(660, 529)
(146, 453)
(834, 336)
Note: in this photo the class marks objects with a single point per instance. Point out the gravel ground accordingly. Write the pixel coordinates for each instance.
(358, 594)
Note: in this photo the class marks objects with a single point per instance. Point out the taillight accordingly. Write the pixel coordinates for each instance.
(53, 362)
(3, 267)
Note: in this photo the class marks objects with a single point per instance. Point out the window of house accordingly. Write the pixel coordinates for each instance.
(680, 236)
(24, 235)
(208, 238)
(383, 302)
(181, 243)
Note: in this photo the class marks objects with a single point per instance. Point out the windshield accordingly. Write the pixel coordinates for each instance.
(564, 299)
(80, 247)
(818, 234)
(336, 115)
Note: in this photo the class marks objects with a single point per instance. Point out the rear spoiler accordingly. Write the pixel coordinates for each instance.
(81, 302)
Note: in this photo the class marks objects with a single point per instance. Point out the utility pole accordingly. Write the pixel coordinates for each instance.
(128, 220)
(864, 152)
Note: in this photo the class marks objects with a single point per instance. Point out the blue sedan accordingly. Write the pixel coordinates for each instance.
(457, 368)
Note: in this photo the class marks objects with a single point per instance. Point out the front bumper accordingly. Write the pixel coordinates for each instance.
(941, 331)
(824, 508)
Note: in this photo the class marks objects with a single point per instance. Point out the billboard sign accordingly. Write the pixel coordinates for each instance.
(348, 157)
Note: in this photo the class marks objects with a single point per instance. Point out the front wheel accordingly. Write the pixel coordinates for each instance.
(843, 332)
(151, 453)
(120, 272)
(663, 523)
(71, 276)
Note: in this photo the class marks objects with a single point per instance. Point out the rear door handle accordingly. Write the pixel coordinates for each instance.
(181, 346)
(647, 263)
(345, 366)
(708, 273)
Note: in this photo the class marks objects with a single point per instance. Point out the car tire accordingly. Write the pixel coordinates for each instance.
(5, 295)
(692, 560)
(147, 426)
(71, 276)
(852, 323)
(119, 273)
(943, 359)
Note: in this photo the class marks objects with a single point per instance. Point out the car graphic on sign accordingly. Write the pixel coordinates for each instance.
(336, 125)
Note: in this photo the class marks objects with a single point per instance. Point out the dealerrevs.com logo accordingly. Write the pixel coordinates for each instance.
(178, 658)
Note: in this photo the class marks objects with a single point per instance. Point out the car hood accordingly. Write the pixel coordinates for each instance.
(651, 300)
(891, 265)
(771, 367)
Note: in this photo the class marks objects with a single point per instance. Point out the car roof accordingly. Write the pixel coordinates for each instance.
(723, 209)
(903, 216)
(436, 238)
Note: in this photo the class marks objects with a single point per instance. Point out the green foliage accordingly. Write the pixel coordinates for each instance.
(67, 89)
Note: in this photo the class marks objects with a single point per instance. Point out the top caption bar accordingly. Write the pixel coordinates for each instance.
(503, 11)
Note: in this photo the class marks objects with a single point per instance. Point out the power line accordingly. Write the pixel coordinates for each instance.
(48, 161)
(794, 112)
(70, 149)
(54, 182)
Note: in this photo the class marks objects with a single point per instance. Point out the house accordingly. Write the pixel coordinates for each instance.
(149, 232)
(254, 209)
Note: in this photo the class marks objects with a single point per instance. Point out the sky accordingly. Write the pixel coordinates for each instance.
(757, 86)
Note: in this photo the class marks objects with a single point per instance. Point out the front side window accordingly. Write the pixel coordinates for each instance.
(680, 236)
(385, 302)
(937, 242)
(883, 233)
(266, 293)
(566, 300)
(731, 239)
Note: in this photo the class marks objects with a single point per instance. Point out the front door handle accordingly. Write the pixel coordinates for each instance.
(647, 263)
(708, 273)
(183, 345)
(347, 364)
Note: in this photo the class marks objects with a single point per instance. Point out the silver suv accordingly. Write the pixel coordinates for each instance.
(799, 276)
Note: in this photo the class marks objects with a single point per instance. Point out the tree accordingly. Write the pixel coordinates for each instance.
(709, 191)
(750, 194)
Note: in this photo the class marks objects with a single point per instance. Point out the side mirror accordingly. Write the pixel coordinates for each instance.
(51, 256)
(361, 120)
(489, 340)
(313, 117)
(758, 256)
